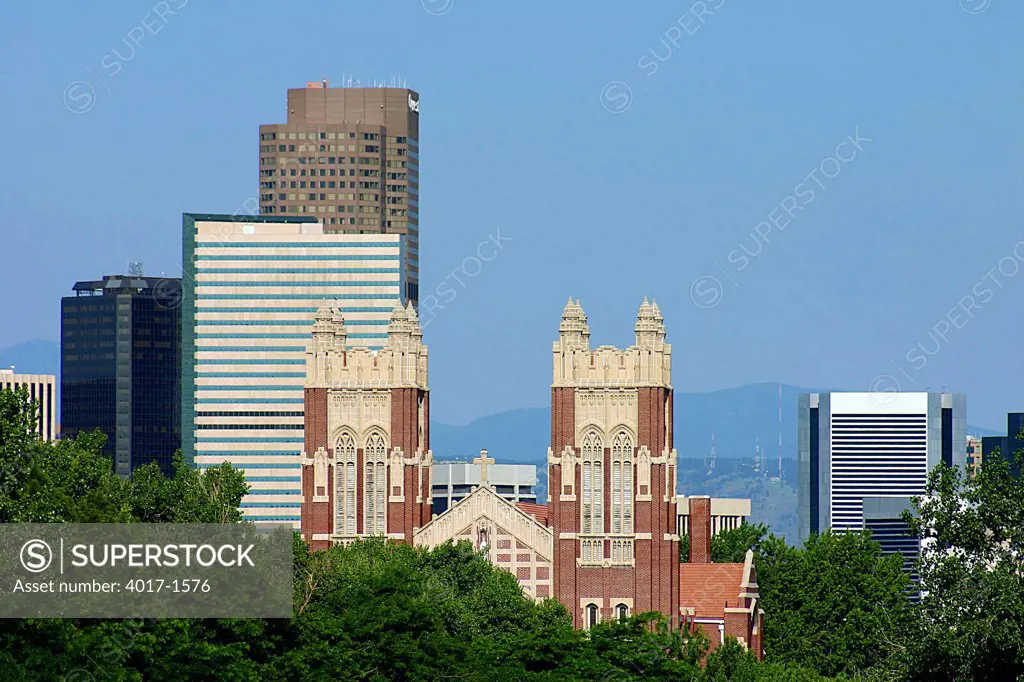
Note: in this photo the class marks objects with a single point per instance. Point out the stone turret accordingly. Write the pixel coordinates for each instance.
(340, 332)
(646, 363)
(323, 327)
(574, 332)
(647, 325)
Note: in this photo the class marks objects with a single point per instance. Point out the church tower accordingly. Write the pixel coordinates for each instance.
(612, 472)
(366, 463)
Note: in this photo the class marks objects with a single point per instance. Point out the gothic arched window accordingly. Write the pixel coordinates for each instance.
(375, 484)
(622, 483)
(345, 485)
(622, 612)
(593, 615)
(593, 484)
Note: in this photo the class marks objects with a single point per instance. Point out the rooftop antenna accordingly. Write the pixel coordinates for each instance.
(757, 454)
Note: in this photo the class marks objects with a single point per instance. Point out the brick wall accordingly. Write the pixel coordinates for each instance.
(700, 530)
(315, 517)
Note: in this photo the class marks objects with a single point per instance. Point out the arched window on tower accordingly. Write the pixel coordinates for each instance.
(622, 483)
(593, 615)
(622, 612)
(593, 484)
(345, 485)
(375, 484)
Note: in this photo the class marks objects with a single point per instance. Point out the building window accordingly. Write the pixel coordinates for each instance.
(593, 615)
(622, 552)
(593, 484)
(375, 485)
(622, 612)
(622, 483)
(345, 485)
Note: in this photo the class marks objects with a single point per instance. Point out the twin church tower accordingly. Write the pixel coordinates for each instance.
(606, 543)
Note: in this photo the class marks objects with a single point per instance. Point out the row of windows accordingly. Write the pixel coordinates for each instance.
(333, 160)
(374, 485)
(249, 427)
(249, 413)
(465, 489)
(253, 309)
(332, 209)
(265, 335)
(315, 136)
(332, 172)
(326, 148)
(298, 245)
(593, 483)
(304, 271)
(301, 283)
(323, 135)
(311, 160)
(328, 184)
(371, 222)
(593, 614)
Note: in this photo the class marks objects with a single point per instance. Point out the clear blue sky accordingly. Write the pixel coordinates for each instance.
(605, 206)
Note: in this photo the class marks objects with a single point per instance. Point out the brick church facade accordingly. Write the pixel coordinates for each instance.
(366, 463)
(606, 544)
(612, 472)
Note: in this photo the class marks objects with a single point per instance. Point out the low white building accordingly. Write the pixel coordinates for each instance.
(726, 514)
(452, 481)
(42, 390)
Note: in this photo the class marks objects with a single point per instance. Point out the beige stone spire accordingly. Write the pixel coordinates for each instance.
(340, 331)
(658, 316)
(404, 331)
(573, 331)
(414, 322)
(323, 327)
(647, 325)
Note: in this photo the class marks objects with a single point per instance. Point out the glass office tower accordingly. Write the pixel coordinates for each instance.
(120, 345)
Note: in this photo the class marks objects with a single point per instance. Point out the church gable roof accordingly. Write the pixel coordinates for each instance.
(485, 503)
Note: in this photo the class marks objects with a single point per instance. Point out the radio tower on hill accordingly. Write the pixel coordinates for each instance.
(711, 464)
(781, 475)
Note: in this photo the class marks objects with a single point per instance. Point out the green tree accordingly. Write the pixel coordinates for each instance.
(190, 496)
(837, 605)
(730, 547)
(972, 530)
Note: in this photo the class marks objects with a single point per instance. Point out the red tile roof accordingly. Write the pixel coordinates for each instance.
(537, 511)
(707, 587)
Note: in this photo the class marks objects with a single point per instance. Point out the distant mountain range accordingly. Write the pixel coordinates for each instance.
(35, 357)
(741, 419)
(32, 357)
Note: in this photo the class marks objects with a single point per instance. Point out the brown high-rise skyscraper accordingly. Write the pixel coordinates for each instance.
(349, 157)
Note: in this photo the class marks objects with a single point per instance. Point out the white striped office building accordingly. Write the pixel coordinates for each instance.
(862, 456)
(251, 287)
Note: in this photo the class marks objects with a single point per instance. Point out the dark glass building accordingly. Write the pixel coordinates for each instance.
(993, 447)
(120, 354)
